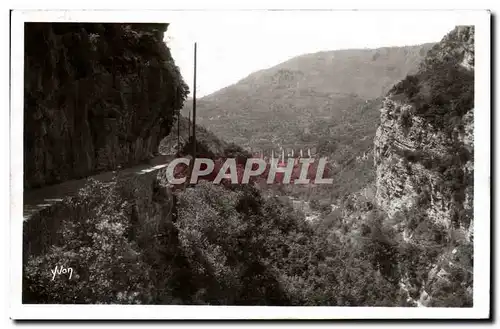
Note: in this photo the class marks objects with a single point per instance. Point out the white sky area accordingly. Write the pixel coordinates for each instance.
(231, 45)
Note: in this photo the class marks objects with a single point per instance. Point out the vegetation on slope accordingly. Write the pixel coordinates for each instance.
(208, 144)
(442, 92)
(325, 101)
(225, 246)
(277, 106)
(443, 88)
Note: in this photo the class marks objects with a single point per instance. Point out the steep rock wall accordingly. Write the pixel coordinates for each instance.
(402, 179)
(424, 145)
(96, 96)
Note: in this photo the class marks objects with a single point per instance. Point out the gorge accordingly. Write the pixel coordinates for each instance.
(101, 98)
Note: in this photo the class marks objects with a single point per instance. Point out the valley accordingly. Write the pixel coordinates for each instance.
(395, 125)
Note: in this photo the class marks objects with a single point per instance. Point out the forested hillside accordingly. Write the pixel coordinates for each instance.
(328, 101)
(281, 105)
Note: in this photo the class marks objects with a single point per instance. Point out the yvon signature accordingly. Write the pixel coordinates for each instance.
(62, 270)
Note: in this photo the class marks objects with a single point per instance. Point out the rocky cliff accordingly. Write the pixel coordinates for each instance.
(96, 96)
(424, 159)
(424, 145)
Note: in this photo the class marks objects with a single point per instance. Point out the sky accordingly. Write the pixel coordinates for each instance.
(231, 45)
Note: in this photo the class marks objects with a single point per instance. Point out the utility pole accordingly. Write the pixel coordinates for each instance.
(178, 133)
(194, 106)
(189, 125)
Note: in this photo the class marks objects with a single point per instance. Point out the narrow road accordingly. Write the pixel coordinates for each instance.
(41, 198)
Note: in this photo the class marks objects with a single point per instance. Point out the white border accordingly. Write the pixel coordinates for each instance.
(481, 20)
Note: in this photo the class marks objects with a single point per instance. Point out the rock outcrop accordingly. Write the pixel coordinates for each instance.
(424, 145)
(97, 96)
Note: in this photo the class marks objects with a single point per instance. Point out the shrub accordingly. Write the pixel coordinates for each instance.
(107, 267)
(424, 198)
(440, 91)
(406, 119)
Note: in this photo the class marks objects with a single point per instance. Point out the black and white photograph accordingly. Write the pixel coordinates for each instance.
(268, 161)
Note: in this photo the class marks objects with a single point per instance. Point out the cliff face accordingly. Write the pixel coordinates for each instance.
(96, 96)
(401, 182)
(424, 144)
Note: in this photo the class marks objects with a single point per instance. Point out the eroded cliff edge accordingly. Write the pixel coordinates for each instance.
(97, 96)
(424, 159)
(424, 146)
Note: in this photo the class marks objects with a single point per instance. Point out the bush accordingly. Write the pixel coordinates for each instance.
(406, 119)
(236, 251)
(424, 198)
(440, 91)
(107, 267)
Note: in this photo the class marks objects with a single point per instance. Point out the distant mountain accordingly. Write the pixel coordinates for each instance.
(282, 105)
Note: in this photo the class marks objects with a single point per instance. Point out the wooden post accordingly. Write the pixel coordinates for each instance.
(194, 106)
(189, 126)
(178, 133)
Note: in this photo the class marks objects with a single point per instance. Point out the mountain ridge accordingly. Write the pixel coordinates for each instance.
(287, 98)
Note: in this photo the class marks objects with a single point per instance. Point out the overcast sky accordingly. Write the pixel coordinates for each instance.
(232, 45)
